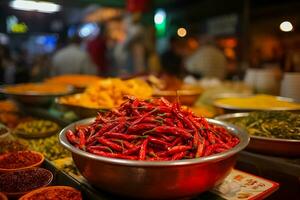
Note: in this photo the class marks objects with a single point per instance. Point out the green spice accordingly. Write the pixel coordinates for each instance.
(273, 124)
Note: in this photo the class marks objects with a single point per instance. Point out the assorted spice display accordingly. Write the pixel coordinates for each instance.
(37, 88)
(35, 128)
(153, 129)
(24, 180)
(19, 159)
(108, 93)
(257, 102)
(53, 193)
(273, 124)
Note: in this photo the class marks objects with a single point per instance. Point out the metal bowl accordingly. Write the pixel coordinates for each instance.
(186, 97)
(35, 99)
(234, 109)
(265, 145)
(80, 111)
(155, 180)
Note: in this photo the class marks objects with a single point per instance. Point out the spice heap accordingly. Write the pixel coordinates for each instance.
(49, 147)
(151, 130)
(53, 192)
(24, 180)
(108, 93)
(273, 124)
(257, 102)
(12, 146)
(19, 159)
(36, 128)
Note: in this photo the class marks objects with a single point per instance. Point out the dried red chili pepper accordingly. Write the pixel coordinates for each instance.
(141, 127)
(200, 148)
(179, 156)
(158, 141)
(120, 136)
(172, 130)
(142, 154)
(110, 144)
(72, 137)
(132, 150)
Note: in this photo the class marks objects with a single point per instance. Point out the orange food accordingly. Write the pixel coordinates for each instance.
(76, 80)
(8, 106)
(37, 88)
(53, 193)
(108, 93)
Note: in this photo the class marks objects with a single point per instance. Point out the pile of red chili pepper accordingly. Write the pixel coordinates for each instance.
(151, 130)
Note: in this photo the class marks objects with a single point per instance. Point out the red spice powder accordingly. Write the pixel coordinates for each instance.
(54, 194)
(24, 180)
(18, 159)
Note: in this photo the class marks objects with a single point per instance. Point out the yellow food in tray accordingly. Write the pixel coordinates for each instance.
(77, 80)
(259, 102)
(108, 93)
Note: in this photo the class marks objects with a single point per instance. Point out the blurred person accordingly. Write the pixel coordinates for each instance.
(7, 66)
(207, 61)
(133, 50)
(40, 69)
(292, 61)
(171, 59)
(97, 49)
(22, 67)
(72, 60)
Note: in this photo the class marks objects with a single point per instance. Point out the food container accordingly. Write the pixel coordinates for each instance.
(265, 145)
(155, 179)
(3, 196)
(263, 80)
(34, 98)
(36, 129)
(186, 97)
(54, 192)
(20, 160)
(290, 86)
(17, 183)
(80, 111)
(256, 104)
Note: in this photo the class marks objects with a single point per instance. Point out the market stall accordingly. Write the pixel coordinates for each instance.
(145, 134)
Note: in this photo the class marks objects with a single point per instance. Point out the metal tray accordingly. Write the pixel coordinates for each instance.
(231, 109)
(34, 99)
(80, 111)
(265, 145)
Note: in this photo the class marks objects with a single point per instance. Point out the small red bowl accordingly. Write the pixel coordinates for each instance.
(3, 158)
(37, 177)
(3, 196)
(56, 191)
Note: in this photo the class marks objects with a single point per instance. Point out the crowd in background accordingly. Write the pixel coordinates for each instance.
(136, 54)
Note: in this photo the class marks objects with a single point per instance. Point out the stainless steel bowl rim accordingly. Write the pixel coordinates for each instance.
(245, 114)
(70, 90)
(56, 100)
(243, 136)
(236, 108)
